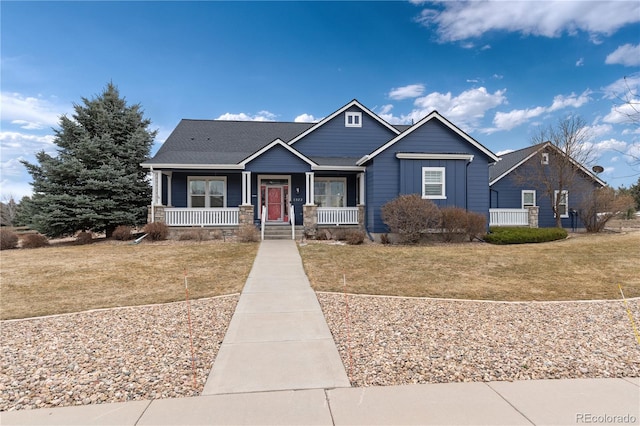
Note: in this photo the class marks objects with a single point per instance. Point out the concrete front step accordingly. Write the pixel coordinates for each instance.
(281, 232)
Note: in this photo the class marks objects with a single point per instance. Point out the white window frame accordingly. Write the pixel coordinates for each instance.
(443, 182)
(207, 195)
(332, 179)
(565, 204)
(352, 119)
(528, 191)
(544, 158)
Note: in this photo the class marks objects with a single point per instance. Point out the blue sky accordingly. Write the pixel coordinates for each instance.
(498, 70)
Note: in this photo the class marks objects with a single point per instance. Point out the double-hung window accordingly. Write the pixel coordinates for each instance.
(207, 192)
(528, 198)
(563, 207)
(330, 192)
(433, 183)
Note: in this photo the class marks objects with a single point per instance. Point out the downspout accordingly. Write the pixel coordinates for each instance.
(153, 190)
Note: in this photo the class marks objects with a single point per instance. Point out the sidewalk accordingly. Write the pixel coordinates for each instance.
(278, 338)
(278, 364)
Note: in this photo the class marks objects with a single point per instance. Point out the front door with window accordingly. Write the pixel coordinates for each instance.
(275, 203)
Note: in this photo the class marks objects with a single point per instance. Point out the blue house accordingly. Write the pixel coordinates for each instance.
(519, 185)
(337, 172)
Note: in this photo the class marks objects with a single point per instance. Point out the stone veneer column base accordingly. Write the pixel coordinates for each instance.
(533, 216)
(245, 216)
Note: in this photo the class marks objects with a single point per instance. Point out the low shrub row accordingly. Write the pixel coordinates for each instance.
(507, 235)
(412, 217)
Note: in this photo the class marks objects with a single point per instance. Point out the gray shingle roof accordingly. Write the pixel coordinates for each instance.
(509, 160)
(221, 142)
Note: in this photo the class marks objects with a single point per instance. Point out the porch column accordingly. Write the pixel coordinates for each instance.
(156, 193)
(169, 177)
(310, 188)
(361, 182)
(246, 188)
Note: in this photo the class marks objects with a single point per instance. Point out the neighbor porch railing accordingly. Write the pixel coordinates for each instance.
(508, 217)
(201, 216)
(337, 215)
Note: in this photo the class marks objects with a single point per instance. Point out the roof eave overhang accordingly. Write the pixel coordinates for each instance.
(339, 168)
(192, 166)
(428, 156)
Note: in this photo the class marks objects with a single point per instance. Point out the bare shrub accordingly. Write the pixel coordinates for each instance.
(217, 235)
(248, 233)
(476, 225)
(157, 231)
(8, 239)
(84, 237)
(31, 241)
(123, 233)
(453, 223)
(602, 205)
(354, 237)
(410, 216)
(384, 239)
(198, 235)
(340, 234)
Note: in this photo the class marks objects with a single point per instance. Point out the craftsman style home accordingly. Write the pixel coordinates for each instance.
(337, 172)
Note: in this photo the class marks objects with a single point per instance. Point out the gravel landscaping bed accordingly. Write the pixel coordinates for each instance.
(139, 353)
(110, 355)
(392, 341)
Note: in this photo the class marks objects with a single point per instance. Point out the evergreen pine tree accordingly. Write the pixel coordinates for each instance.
(95, 182)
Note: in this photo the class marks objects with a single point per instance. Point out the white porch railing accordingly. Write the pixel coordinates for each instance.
(201, 216)
(508, 217)
(337, 215)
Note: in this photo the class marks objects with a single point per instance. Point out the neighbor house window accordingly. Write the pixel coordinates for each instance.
(563, 207)
(207, 192)
(353, 119)
(544, 158)
(528, 198)
(433, 183)
(330, 192)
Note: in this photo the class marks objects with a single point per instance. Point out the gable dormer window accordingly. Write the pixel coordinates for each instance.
(545, 158)
(353, 119)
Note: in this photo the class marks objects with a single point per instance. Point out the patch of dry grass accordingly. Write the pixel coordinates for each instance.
(581, 267)
(75, 278)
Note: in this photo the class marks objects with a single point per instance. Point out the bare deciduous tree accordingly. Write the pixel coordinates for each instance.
(555, 169)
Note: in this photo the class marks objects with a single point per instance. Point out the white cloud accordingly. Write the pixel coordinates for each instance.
(503, 152)
(627, 55)
(30, 112)
(580, 62)
(623, 87)
(260, 116)
(560, 101)
(599, 130)
(516, 117)
(464, 109)
(462, 20)
(406, 92)
(306, 118)
(623, 113)
(601, 147)
(15, 143)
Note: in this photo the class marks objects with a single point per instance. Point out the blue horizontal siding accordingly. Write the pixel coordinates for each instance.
(333, 139)
(278, 160)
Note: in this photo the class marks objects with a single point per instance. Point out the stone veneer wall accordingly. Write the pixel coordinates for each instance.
(245, 216)
(533, 216)
(158, 213)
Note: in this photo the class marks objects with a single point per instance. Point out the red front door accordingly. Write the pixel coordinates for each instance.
(274, 203)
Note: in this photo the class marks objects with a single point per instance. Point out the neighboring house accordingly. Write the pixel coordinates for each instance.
(337, 172)
(516, 186)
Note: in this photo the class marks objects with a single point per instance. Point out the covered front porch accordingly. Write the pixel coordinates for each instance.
(184, 198)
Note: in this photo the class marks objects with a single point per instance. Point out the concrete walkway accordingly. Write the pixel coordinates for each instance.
(278, 338)
(278, 365)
